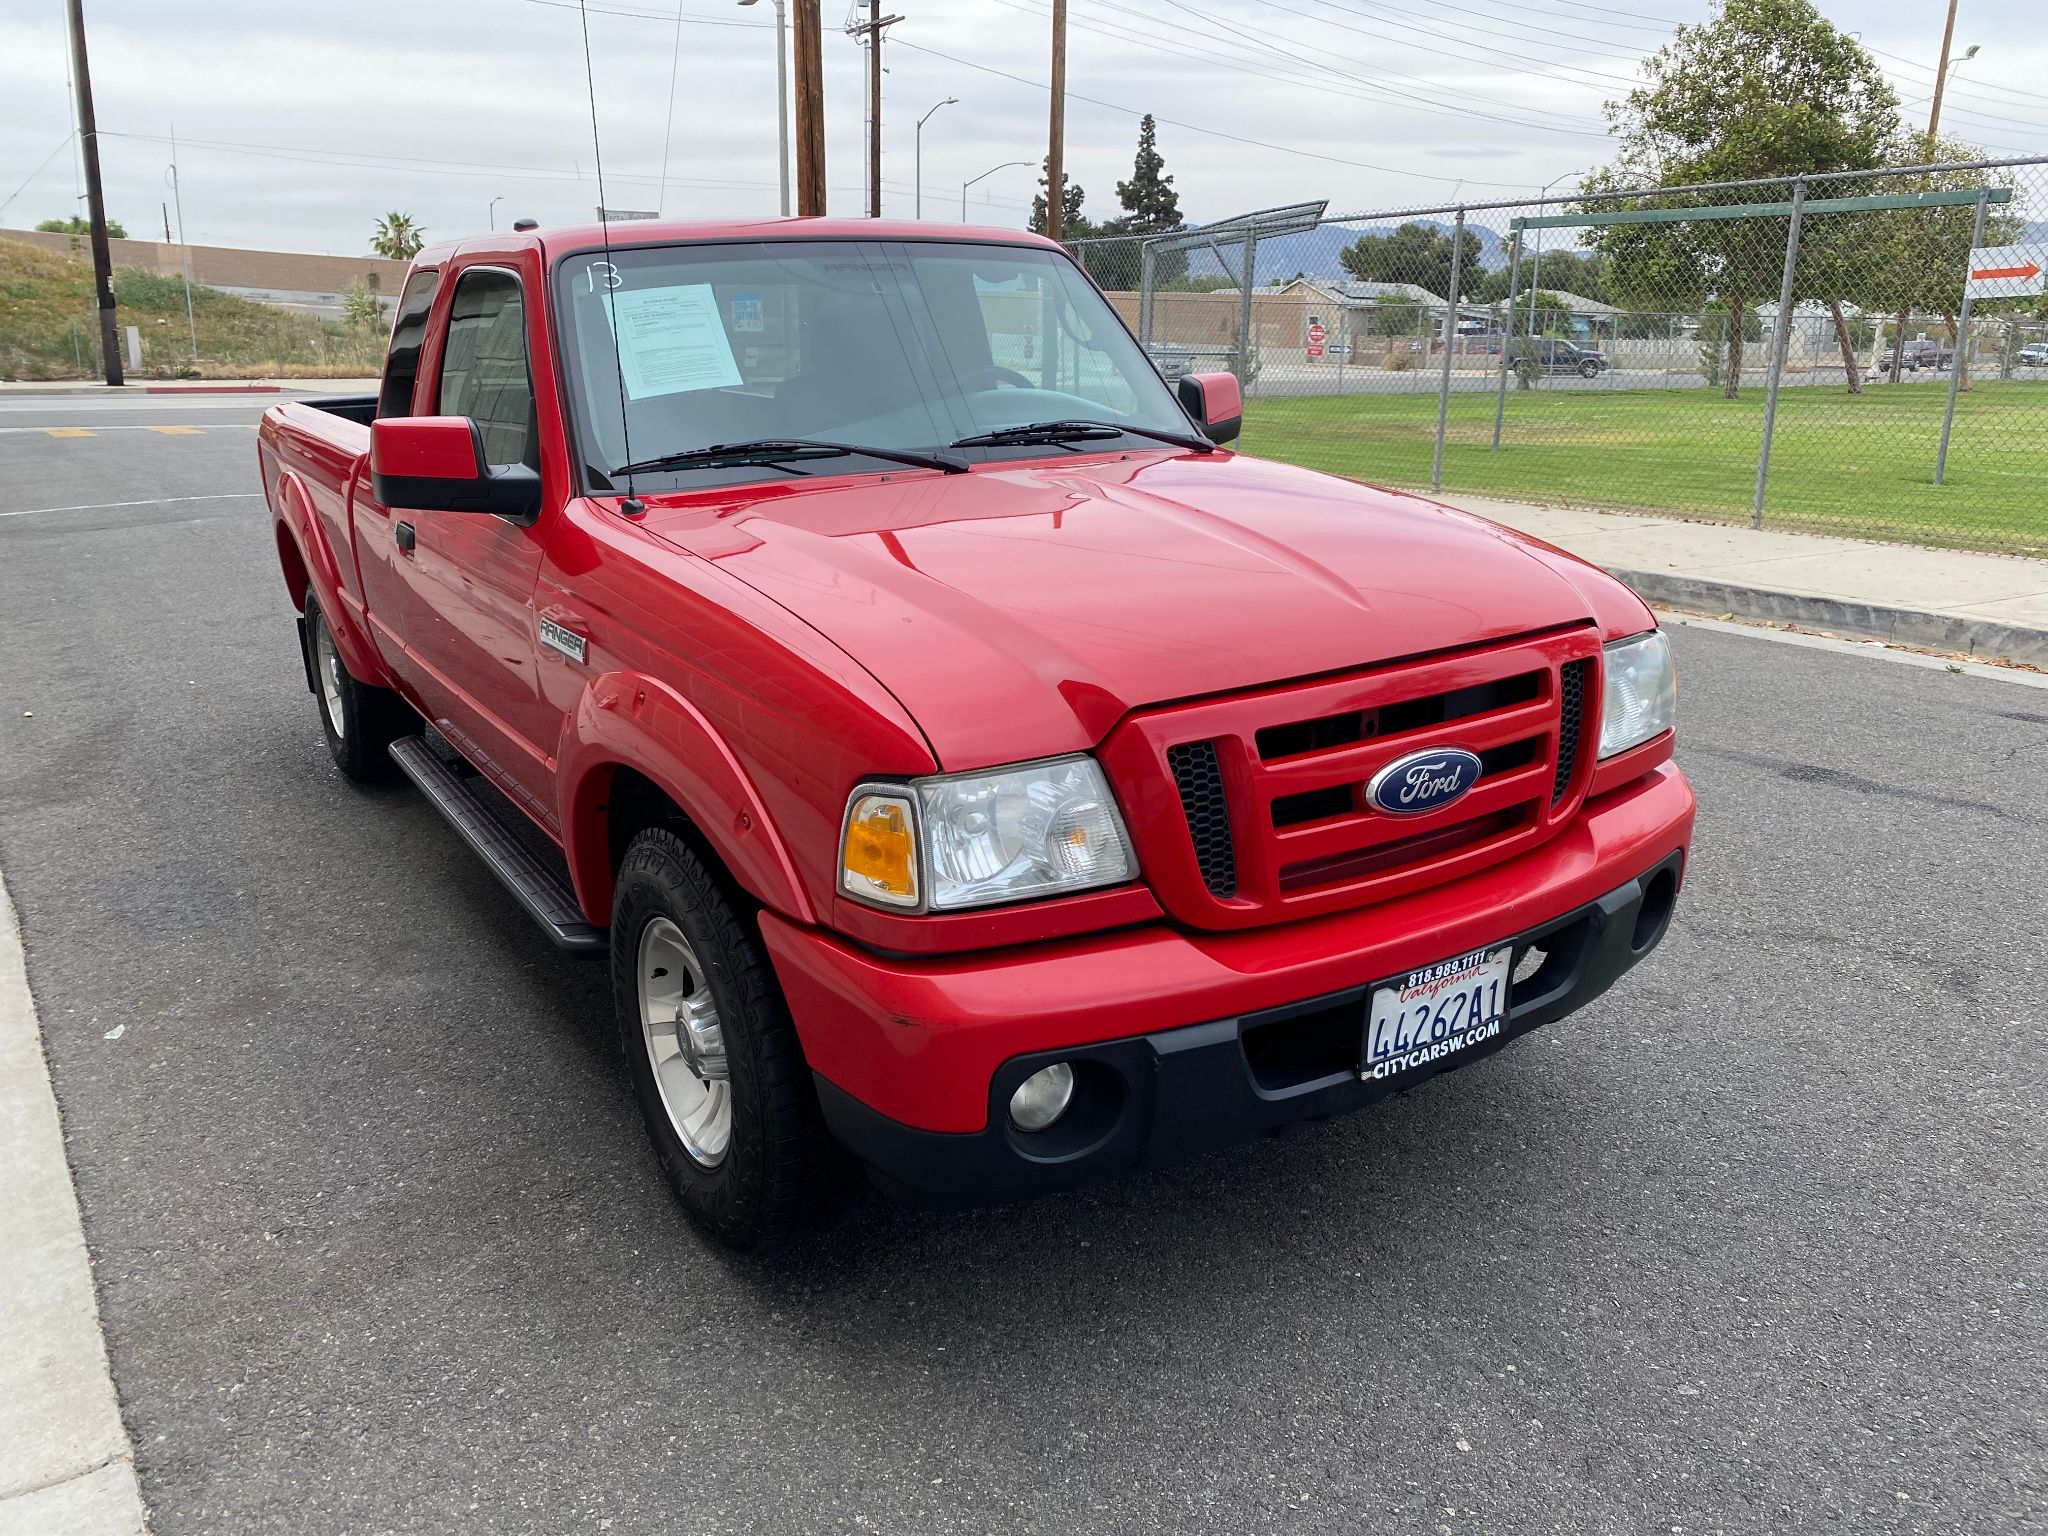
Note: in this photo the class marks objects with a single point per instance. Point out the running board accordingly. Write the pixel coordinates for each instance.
(539, 885)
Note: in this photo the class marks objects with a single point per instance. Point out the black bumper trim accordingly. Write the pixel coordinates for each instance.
(1146, 1101)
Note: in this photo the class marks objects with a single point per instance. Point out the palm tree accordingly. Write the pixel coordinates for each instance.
(397, 237)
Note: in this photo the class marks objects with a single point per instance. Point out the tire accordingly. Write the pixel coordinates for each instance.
(759, 1167)
(358, 720)
(1589, 370)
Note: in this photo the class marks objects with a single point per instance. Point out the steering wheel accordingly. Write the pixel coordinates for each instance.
(996, 374)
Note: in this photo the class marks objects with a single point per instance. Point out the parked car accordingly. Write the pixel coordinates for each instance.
(1174, 361)
(981, 775)
(1551, 354)
(1915, 355)
(2033, 355)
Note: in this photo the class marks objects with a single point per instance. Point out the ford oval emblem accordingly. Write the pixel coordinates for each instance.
(1423, 781)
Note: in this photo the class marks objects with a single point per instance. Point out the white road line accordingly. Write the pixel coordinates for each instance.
(154, 501)
(65, 1460)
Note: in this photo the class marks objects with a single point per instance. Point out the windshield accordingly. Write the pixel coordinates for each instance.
(908, 346)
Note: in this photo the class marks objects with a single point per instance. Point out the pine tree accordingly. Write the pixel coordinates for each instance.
(1150, 203)
(1072, 225)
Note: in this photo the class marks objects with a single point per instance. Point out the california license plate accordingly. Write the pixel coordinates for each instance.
(1436, 1012)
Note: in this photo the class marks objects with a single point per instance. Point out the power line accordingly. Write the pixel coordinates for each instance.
(1214, 133)
(1294, 55)
(62, 145)
(1379, 92)
(677, 16)
(1594, 78)
(408, 165)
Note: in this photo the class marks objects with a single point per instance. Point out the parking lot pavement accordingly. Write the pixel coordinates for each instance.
(1754, 1244)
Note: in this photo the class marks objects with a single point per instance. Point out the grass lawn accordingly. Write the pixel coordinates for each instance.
(1852, 464)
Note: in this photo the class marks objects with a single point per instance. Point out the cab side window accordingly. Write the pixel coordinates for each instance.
(402, 360)
(483, 366)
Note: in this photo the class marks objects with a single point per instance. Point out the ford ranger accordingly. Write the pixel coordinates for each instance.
(970, 767)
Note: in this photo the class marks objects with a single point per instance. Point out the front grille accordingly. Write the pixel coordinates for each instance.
(1199, 777)
(1271, 785)
(1571, 720)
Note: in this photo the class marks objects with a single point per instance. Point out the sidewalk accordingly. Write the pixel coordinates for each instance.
(66, 1467)
(1989, 606)
(159, 387)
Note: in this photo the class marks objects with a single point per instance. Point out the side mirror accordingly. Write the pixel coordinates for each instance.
(1215, 401)
(436, 464)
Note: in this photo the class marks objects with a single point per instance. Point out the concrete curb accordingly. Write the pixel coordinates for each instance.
(66, 1464)
(1865, 621)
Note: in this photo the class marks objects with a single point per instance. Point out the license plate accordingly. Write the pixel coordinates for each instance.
(1436, 1012)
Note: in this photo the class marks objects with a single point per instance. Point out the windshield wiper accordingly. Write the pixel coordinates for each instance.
(770, 450)
(1071, 431)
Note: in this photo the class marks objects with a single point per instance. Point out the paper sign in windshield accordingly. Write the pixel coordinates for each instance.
(670, 340)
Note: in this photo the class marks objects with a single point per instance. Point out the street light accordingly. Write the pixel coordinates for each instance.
(781, 93)
(491, 209)
(983, 177)
(950, 101)
(1536, 268)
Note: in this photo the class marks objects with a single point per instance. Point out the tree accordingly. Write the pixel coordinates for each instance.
(360, 306)
(1562, 271)
(396, 237)
(1150, 204)
(75, 225)
(1766, 88)
(1072, 225)
(1414, 253)
(1914, 258)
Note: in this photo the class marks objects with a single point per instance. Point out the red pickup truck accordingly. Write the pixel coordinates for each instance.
(970, 766)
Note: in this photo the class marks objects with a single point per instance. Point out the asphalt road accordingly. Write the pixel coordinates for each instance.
(1754, 1244)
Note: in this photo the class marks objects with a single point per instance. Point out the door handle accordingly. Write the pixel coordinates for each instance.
(404, 534)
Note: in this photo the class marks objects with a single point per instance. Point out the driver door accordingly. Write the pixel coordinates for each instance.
(469, 576)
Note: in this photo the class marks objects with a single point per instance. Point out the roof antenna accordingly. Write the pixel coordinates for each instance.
(632, 506)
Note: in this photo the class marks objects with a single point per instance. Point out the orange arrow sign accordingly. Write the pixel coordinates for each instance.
(2025, 274)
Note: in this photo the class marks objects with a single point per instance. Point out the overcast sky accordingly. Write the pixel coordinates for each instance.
(300, 123)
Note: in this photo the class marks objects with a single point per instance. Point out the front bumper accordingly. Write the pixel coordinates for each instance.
(923, 1052)
(1144, 1101)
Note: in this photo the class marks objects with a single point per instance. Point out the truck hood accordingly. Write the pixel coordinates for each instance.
(1021, 610)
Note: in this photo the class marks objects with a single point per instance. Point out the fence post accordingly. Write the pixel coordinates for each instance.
(1244, 318)
(1148, 269)
(1958, 363)
(1443, 393)
(1507, 337)
(1780, 337)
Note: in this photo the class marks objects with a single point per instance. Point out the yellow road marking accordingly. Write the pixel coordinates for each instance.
(177, 431)
(68, 431)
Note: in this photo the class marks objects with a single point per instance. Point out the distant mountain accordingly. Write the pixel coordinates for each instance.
(1319, 252)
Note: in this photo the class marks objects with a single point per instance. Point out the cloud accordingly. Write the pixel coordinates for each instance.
(299, 125)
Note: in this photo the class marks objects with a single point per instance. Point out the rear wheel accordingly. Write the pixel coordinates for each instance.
(716, 1065)
(358, 720)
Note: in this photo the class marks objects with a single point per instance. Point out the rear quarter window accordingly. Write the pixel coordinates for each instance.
(408, 331)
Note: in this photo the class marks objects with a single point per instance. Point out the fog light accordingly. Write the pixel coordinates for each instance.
(1042, 1097)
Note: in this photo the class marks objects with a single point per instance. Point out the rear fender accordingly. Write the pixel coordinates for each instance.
(309, 567)
(629, 720)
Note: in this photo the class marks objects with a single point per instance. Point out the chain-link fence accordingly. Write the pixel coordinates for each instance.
(1805, 353)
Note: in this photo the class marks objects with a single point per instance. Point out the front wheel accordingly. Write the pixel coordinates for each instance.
(359, 721)
(715, 1061)
(1589, 370)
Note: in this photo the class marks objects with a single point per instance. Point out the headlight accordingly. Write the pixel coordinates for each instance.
(974, 839)
(1641, 695)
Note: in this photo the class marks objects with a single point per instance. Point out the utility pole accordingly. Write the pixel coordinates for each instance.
(810, 110)
(871, 29)
(95, 204)
(1948, 35)
(1055, 157)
